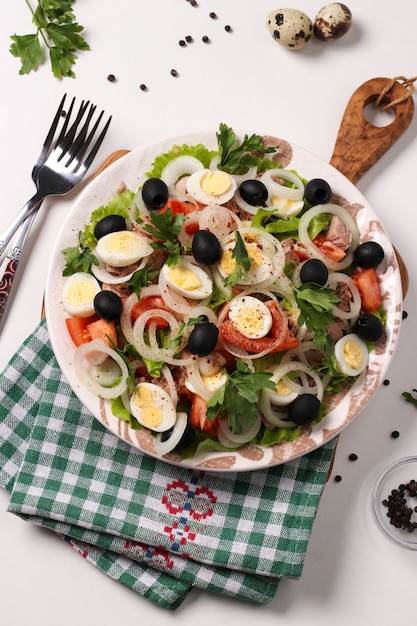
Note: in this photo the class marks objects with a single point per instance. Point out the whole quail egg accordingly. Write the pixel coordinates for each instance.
(289, 27)
(332, 21)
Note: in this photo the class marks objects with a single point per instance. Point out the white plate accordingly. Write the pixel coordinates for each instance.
(344, 408)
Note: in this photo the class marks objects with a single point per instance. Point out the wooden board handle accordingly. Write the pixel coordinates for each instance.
(359, 144)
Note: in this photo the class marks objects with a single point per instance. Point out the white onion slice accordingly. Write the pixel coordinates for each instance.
(248, 432)
(333, 209)
(276, 189)
(180, 166)
(355, 306)
(164, 447)
(219, 220)
(83, 353)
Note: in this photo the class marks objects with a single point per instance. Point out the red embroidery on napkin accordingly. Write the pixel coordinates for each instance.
(141, 552)
(188, 503)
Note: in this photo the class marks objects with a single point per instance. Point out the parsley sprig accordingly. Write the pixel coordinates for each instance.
(142, 278)
(57, 31)
(78, 258)
(165, 229)
(237, 399)
(238, 159)
(316, 311)
(410, 397)
(242, 261)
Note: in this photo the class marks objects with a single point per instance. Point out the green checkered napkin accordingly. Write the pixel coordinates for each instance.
(156, 528)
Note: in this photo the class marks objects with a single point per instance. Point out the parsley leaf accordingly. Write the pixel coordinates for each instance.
(410, 397)
(316, 305)
(165, 229)
(242, 261)
(238, 160)
(57, 32)
(142, 278)
(237, 399)
(78, 258)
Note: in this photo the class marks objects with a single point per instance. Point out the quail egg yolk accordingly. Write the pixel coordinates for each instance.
(215, 183)
(151, 414)
(78, 295)
(184, 278)
(353, 355)
(282, 389)
(228, 263)
(250, 316)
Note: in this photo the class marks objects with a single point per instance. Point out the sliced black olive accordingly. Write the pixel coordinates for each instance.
(203, 339)
(206, 247)
(154, 194)
(368, 254)
(314, 271)
(109, 224)
(317, 191)
(186, 440)
(253, 192)
(304, 409)
(108, 305)
(368, 327)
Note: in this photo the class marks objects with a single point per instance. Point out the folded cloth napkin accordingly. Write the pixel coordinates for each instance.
(154, 527)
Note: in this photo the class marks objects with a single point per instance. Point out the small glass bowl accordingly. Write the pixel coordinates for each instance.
(399, 473)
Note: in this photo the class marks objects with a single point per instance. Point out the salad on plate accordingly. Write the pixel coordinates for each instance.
(226, 302)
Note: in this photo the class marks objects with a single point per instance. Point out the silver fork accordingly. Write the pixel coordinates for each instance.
(58, 170)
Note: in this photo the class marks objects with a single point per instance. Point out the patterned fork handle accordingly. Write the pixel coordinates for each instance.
(10, 263)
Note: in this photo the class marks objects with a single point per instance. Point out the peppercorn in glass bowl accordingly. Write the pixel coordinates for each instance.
(394, 502)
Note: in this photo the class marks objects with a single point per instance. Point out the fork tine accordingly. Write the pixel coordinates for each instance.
(79, 146)
(90, 157)
(47, 144)
(68, 137)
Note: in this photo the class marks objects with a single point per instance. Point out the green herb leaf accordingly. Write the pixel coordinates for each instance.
(142, 278)
(165, 229)
(198, 151)
(410, 397)
(242, 261)
(316, 305)
(176, 341)
(56, 31)
(238, 159)
(78, 258)
(237, 399)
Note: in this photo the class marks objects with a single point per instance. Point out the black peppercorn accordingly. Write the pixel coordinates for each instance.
(228, 28)
(338, 478)
(353, 457)
(205, 39)
(174, 73)
(143, 87)
(188, 39)
(395, 434)
(111, 78)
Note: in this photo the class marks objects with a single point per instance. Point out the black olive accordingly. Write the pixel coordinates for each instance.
(206, 247)
(314, 271)
(368, 254)
(109, 224)
(369, 327)
(253, 192)
(187, 438)
(317, 191)
(203, 339)
(154, 194)
(108, 305)
(304, 409)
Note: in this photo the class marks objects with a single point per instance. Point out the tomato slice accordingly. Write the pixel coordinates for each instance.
(279, 329)
(367, 282)
(334, 253)
(199, 419)
(177, 206)
(150, 302)
(102, 329)
(77, 328)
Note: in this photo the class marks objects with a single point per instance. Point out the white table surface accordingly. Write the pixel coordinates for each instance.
(352, 574)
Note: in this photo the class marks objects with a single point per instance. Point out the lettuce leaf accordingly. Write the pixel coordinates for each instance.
(198, 151)
(119, 205)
